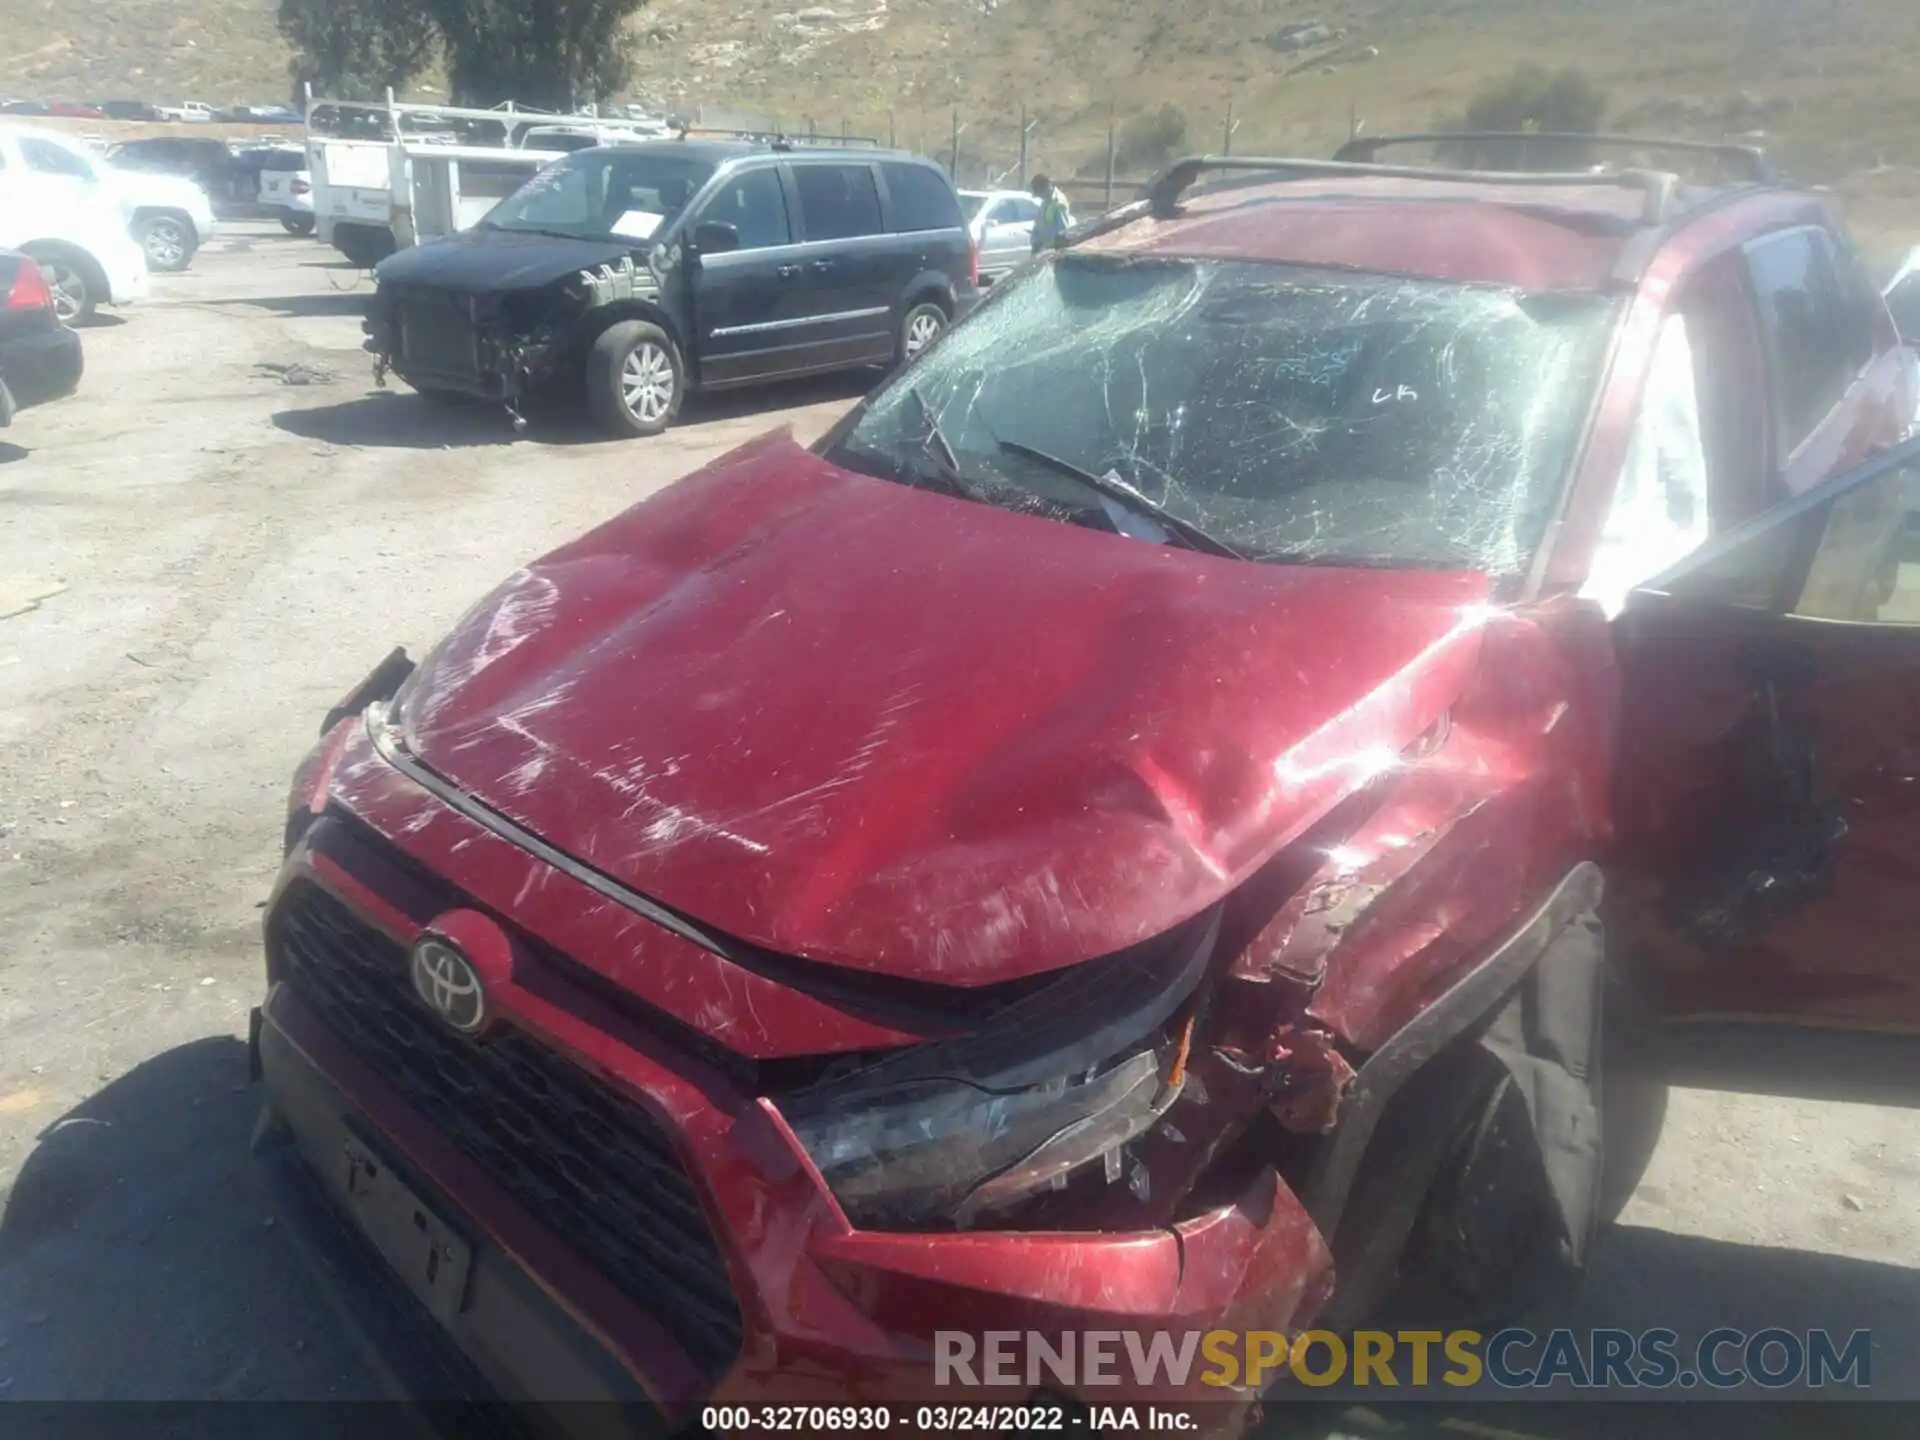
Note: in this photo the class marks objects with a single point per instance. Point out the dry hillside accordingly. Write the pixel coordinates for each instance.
(1831, 81)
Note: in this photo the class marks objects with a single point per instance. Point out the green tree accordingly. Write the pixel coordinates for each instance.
(354, 49)
(548, 54)
(544, 54)
(1532, 99)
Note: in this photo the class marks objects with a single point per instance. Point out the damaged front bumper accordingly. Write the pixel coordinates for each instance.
(494, 346)
(826, 1312)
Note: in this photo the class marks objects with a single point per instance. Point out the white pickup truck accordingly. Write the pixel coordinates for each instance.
(386, 176)
(197, 111)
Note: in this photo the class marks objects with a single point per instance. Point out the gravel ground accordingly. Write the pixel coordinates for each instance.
(216, 554)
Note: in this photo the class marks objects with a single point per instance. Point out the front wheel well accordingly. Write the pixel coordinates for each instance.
(602, 318)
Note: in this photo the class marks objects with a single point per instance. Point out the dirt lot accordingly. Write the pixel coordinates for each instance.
(217, 555)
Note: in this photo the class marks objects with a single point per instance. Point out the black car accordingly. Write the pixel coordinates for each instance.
(129, 110)
(645, 271)
(39, 357)
(209, 164)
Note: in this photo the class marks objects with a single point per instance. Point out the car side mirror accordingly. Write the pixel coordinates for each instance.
(715, 237)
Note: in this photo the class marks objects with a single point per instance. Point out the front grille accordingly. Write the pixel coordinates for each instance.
(587, 1162)
(436, 334)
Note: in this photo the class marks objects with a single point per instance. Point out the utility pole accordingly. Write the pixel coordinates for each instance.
(1111, 141)
(892, 142)
(953, 158)
(1026, 129)
(1226, 140)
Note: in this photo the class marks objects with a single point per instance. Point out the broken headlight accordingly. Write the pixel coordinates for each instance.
(944, 1133)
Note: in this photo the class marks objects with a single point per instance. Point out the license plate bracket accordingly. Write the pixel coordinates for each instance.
(427, 1253)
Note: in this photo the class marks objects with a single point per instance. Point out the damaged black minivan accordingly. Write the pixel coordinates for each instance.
(643, 271)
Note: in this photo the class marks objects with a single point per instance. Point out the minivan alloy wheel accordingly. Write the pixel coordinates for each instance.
(923, 327)
(647, 382)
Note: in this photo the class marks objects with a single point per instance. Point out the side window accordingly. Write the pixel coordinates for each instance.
(922, 198)
(1021, 211)
(1859, 300)
(1810, 328)
(1730, 373)
(1660, 511)
(51, 159)
(837, 202)
(1850, 555)
(756, 206)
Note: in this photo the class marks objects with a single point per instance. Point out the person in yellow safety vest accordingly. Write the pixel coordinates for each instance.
(1056, 218)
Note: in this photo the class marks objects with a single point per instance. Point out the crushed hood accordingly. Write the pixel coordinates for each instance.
(490, 261)
(875, 726)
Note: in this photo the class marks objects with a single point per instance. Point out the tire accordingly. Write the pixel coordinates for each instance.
(919, 327)
(169, 242)
(1488, 1243)
(297, 224)
(635, 379)
(78, 283)
(1633, 1101)
(363, 245)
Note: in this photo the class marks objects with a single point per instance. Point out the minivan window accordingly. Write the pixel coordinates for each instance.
(922, 198)
(1817, 340)
(838, 202)
(755, 205)
(603, 193)
(1296, 414)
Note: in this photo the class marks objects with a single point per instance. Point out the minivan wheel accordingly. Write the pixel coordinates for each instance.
(297, 224)
(169, 242)
(635, 379)
(919, 328)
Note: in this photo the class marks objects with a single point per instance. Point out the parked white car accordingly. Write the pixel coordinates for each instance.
(1001, 222)
(76, 228)
(286, 189)
(195, 110)
(169, 216)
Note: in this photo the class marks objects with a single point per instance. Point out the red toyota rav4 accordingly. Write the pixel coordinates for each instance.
(1137, 829)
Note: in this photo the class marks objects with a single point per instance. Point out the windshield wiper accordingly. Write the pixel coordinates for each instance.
(941, 448)
(1114, 488)
(541, 230)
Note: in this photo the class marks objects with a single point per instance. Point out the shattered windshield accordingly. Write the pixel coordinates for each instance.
(1280, 412)
(600, 193)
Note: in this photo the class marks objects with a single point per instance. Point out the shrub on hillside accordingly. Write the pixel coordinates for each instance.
(1149, 139)
(1530, 98)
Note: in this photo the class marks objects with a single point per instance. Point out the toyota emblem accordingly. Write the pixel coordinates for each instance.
(444, 979)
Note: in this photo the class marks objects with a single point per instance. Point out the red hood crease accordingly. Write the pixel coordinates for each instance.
(850, 720)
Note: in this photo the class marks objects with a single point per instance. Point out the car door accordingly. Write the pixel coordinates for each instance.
(1007, 236)
(849, 263)
(56, 173)
(750, 311)
(1766, 893)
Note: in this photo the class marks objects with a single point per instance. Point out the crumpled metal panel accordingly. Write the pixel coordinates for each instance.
(858, 722)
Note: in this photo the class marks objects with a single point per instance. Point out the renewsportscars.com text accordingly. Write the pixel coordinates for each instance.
(1512, 1359)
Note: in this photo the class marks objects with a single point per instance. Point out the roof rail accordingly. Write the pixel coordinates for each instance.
(778, 140)
(1162, 198)
(1749, 162)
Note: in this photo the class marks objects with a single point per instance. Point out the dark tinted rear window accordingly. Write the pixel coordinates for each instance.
(922, 198)
(838, 202)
